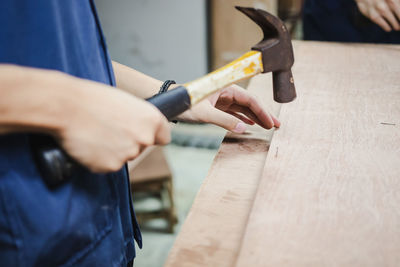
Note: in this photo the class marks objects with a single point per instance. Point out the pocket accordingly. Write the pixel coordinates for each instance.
(57, 227)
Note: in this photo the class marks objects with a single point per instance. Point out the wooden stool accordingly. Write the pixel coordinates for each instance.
(150, 174)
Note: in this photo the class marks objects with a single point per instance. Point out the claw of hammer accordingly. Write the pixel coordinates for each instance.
(277, 52)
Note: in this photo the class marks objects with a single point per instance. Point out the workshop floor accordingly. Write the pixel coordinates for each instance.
(190, 157)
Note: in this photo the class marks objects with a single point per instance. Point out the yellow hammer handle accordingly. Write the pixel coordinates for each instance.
(242, 68)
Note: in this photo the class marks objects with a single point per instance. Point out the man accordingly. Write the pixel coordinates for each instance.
(366, 21)
(56, 78)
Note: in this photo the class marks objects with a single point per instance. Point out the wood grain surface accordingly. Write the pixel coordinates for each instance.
(330, 190)
(212, 232)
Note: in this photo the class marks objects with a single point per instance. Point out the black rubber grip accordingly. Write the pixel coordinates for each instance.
(172, 103)
(56, 166)
(53, 163)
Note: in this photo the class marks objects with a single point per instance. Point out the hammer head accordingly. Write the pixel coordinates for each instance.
(277, 52)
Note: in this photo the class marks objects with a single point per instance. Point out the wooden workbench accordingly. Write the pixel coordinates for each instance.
(328, 191)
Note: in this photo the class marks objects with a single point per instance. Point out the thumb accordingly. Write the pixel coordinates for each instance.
(226, 121)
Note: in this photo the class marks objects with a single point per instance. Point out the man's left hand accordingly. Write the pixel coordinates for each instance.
(231, 108)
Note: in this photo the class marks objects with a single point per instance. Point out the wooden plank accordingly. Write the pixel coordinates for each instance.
(330, 191)
(212, 232)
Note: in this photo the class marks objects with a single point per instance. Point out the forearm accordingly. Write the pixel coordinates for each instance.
(135, 82)
(35, 100)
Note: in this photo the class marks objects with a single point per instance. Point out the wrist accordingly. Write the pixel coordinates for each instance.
(35, 100)
(26, 95)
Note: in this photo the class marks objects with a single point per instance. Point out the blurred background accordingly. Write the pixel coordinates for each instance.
(179, 40)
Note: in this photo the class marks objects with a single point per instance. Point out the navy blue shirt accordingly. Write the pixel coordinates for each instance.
(341, 21)
(89, 220)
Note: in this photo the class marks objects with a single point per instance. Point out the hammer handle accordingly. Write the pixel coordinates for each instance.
(56, 166)
(172, 103)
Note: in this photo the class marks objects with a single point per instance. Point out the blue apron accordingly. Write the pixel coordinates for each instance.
(88, 221)
(341, 21)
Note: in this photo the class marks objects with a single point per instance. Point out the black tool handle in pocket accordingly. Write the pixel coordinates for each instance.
(56, 166)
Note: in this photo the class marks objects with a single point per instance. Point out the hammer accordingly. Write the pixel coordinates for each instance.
(274, 53)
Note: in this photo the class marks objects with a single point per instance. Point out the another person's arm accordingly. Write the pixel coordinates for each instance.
(231, 108)
(385, 13)
(99, 126)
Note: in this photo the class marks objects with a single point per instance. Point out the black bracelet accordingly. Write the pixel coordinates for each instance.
(165, 86)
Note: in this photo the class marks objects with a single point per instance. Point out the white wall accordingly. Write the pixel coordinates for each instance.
(162, 38)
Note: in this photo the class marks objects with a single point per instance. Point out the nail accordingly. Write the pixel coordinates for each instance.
(240, 128)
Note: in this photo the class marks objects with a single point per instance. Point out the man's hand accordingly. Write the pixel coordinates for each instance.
(99, 126)
(385, 13)
(111, 127)
(231, 108)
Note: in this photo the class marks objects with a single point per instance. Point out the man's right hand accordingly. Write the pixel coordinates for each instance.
(111, 127)
(99, 126)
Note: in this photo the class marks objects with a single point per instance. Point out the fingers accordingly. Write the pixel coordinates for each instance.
(251, 107)
(378, 19)
(163, 134)
(386, 12)
(242, 118)
(263, 118)
(277, 123)
(392, 20)
(395, 7)
(227, 121)
(233, 106)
